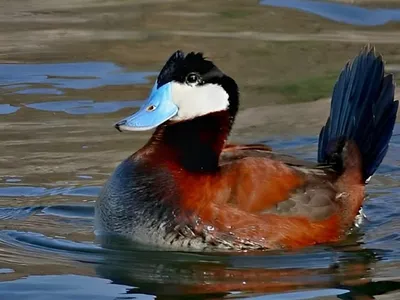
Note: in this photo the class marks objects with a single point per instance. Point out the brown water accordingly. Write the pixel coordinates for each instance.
(70, 69)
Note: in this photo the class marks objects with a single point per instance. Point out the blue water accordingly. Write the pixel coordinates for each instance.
(340, 12)
(79, 75)
(29, 79)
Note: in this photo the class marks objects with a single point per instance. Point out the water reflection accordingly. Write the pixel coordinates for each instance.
(57, 79)
(343, 270)
(82, 75)
(32, 191)
(341, 12)
(6, 109)
(63, 287)
(83, 107)
(174, 274)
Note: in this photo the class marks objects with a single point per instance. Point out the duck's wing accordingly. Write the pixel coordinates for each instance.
(266, 182)
(232, 153)
(234, 147)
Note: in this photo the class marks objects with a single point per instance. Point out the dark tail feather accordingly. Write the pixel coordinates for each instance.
(363, 110)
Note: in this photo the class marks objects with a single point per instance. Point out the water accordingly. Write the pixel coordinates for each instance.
(70, 69)
(345, 13)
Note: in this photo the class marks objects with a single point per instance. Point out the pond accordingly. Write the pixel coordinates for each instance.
(70, 69)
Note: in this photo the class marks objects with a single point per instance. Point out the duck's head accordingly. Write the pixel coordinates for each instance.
(188, 87)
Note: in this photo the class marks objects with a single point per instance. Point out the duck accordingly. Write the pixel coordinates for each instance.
(189, 189)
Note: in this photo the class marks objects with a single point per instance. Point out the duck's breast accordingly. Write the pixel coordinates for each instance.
(133, 200)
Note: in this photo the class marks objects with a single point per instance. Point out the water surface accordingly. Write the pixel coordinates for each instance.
(70, 69)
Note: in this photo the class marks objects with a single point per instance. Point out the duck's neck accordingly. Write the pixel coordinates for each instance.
(194, 145)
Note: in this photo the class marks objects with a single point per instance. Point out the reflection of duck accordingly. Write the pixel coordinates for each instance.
(187, 189)
(346, 271)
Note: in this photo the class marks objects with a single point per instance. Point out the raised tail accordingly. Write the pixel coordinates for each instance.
(363, 110)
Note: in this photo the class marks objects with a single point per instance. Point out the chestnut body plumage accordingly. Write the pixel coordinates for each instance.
(188, 189)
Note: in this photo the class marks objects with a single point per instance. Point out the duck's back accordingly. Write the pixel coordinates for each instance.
(271, 182)
(262, 199)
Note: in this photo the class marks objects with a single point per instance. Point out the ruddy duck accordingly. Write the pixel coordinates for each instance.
(188, 189)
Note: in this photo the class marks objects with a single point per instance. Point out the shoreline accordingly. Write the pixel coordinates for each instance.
(284, 120)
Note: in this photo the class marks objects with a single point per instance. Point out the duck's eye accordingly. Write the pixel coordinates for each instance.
(193, 78)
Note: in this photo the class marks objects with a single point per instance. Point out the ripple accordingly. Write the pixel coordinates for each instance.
(17, 213)
(303, 295)
(39, 91)
(64, 287)
(70, 211)
(162, 269)
(84, 176)
(345, 13)
(81, 211)
(73, 286)
(24, 78)
(33, 191)
(38, 240)
(6, 109)
(13, 180)
(6, 271)
(83, 107)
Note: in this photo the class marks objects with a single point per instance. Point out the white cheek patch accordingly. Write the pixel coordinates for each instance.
(194, 101)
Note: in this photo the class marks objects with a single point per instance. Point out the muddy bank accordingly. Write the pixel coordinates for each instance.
(284, 119)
